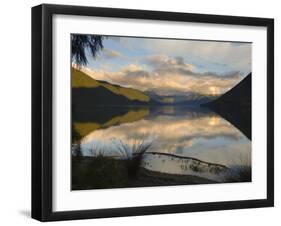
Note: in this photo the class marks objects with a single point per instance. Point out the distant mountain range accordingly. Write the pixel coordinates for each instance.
(236, 105)
(188, 99)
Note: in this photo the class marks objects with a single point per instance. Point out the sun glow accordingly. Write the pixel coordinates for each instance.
(214, 90)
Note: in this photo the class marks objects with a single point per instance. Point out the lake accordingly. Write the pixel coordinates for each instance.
(166, 145)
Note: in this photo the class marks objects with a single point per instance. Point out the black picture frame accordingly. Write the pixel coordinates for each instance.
(42, 107)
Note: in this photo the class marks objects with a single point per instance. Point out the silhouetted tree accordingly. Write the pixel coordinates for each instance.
(81, 43)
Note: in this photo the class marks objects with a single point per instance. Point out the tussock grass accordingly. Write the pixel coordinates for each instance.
(137, 148)
(133, 154)
(101, 171)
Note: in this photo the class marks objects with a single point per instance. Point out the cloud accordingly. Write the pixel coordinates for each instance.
(163, 61)
(168, 76)
(110, 54)
(234, 54)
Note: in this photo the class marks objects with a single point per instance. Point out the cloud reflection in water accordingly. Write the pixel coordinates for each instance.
(202, 135)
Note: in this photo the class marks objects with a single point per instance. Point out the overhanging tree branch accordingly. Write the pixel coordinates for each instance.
(81, 43)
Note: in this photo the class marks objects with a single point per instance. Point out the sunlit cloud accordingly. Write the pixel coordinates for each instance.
(167, 76)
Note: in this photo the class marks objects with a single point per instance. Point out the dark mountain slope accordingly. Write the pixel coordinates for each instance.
(88, 93)
(241, 94)
(87, 98)
(235, 106)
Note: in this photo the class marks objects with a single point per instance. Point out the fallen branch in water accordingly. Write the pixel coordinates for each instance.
(185, 157)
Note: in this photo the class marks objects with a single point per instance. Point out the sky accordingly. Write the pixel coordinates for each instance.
(171, 67)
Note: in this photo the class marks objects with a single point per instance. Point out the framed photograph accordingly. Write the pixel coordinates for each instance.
(145, 112)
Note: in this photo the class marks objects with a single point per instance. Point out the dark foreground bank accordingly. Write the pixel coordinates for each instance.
(104, 172)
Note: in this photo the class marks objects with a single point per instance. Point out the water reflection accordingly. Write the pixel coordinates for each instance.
(179, 165)
(182, 132)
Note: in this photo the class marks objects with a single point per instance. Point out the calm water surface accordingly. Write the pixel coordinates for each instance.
(174, 132)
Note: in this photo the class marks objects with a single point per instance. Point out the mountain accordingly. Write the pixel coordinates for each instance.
(240, 95)
(88, 92)
(82, 80)
(236, 105)
(188, 99)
